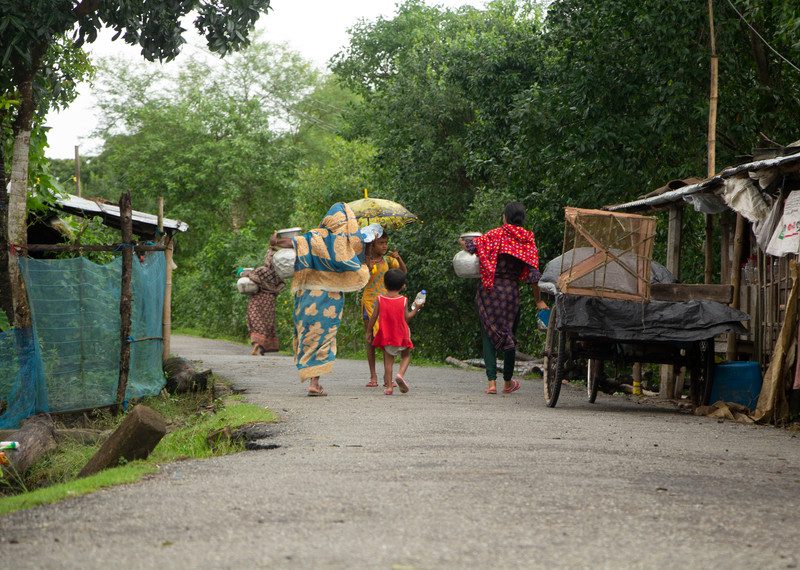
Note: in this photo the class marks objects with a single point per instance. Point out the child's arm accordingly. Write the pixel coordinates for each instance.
(396, 256)
(368, 336)
(411, 313)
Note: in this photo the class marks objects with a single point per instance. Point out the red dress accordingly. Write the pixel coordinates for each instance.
(392, 326)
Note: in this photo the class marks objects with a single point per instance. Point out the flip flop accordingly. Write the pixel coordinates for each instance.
(388, 391)
(315, 394)
(490, 391)
(401, 383)
(514, 387)
(372, 384)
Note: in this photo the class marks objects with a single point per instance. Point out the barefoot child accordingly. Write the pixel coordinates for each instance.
(378, 263)
(394, 337)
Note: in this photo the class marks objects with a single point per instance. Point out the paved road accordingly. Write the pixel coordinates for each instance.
(442, 477)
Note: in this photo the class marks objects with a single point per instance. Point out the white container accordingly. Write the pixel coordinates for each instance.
(289, 232)
(245, 286)
(466, 265)
(283, 262)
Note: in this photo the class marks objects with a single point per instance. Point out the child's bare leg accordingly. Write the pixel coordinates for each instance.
(388, 366)
(405, 360)
(373, 373)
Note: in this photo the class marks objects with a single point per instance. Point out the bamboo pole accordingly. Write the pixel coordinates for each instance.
(736, 279)
(126, 293)
(711, 141)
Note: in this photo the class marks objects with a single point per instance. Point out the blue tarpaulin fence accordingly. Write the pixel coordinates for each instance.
(70, 360)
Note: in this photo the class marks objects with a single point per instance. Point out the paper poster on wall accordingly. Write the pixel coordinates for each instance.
(786, 238)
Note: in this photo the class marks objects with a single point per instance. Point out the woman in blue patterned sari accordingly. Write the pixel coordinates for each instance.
(327, 267)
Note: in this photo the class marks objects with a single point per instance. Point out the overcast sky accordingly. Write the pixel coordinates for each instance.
(317, 29)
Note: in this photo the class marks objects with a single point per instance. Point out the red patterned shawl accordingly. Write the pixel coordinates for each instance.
(509, 239)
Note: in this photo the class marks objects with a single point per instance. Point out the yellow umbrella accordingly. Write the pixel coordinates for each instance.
(390, 215)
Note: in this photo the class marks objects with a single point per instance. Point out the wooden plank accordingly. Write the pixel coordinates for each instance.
(125, 297)
(677, 292)
(607, 294)
(135, 438)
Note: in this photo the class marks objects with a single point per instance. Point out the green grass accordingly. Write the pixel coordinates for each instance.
(116, 476)
(190, 424)
(202, 333)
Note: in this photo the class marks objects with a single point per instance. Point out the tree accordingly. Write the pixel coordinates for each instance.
(30, 28)
(222, 145)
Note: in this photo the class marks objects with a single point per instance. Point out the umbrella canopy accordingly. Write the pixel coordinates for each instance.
(390, 215)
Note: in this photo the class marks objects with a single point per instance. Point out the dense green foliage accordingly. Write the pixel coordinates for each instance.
(453, 113)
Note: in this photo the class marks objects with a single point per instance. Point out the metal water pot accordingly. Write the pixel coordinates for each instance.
(466, 265)
(283, 262)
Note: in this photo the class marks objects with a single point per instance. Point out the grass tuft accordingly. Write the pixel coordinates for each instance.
(191, 418)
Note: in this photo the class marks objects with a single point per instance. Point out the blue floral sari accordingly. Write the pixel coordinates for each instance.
(327, 266)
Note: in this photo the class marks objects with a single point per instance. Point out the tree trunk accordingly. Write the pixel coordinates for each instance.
(5, 286)
(17, 203)
(125, 298)
(37, 438)
(18, 225)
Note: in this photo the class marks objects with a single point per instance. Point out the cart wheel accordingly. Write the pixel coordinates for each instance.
(594, 371)
(702, 375)
(555, 347)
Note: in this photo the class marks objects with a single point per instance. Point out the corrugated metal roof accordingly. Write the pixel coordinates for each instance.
(109, 212)
(705, 185)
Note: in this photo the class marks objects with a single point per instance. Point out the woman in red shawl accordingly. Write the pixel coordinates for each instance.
(507, 256)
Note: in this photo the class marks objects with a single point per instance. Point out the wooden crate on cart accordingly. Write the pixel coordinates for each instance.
(607, 254)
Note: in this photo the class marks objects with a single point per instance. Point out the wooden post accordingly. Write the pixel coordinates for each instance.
(725, 249)
(160, 216)
(711, 140)
(674, 241)
(126, 293)
(637, 378)
(736, 279)
(166, 320)
(708, 246)
(166, 326)
(78, 169)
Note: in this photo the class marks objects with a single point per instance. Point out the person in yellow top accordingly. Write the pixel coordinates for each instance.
(378, 262)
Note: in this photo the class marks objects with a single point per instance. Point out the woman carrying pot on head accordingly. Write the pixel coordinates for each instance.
(261, 307)
(507, 255)
(327, 267)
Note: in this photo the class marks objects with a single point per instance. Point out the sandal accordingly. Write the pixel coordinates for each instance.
(401, 383)
(372, 383)
(514, 387)
(490, 390)
(388, 391)
(315, 393)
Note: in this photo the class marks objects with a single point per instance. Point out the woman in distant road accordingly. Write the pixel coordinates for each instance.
(261, 307)
(507, 255)
(327, 267)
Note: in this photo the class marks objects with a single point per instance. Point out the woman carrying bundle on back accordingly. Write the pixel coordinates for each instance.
(507, 255)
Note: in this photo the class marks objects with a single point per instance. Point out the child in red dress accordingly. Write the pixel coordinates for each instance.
(394, 337)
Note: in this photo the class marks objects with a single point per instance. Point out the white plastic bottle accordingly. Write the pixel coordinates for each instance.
(419, 300)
